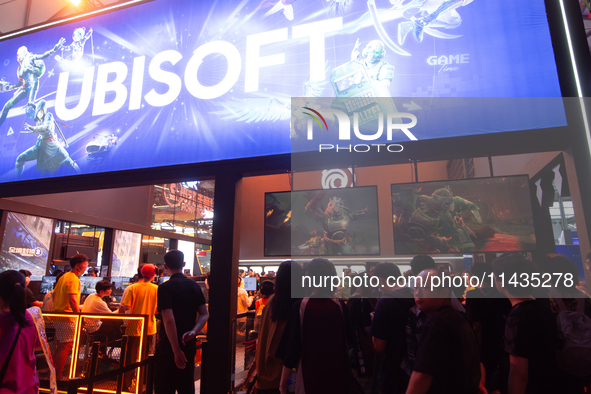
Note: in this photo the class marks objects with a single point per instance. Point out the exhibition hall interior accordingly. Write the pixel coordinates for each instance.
(194, 197)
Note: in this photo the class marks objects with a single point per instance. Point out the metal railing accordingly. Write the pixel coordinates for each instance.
(105, 357)
(71, 336)
(75, 384)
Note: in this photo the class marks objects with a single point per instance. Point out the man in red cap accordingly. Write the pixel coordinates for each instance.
(140, 299)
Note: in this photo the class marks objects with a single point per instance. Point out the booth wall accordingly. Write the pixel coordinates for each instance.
(129, 205)
(252, 220)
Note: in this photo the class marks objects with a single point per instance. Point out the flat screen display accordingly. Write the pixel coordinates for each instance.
(250, 284)
(322, 222)
(120, 283)
(47, 284)
(88, 284)
(463, 216)
(213, 80)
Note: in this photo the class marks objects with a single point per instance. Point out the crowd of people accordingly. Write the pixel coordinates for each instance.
(423, 337)
(179, 303)
(430, 338)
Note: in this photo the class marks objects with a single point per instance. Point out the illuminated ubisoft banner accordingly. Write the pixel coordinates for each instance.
(177, 81)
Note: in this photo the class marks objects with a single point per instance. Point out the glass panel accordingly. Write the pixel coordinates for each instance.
(204, 258)
(126, 250)
(74, 238)
(184, 208)
(188, 249)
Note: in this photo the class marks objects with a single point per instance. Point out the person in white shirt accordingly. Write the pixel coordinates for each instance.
(94, 304)
(48, 299)
(244, 302)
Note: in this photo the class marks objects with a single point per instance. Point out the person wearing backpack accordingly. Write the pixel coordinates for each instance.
(571, 308)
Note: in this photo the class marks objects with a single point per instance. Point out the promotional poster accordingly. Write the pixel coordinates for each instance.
(322, 222)
(26, 243)
(178, 81)
(465, 216)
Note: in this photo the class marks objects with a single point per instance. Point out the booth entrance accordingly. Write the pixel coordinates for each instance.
(554, 202)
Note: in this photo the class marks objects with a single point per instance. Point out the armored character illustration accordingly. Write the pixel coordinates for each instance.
(48, 151)
(335, 222)
(314, 245)
(79, 39)
(428, 13)
(372, 56)
(31, 68)
(433, 222)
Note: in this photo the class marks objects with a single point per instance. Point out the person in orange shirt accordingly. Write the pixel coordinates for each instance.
(66, 298)
(140, 299)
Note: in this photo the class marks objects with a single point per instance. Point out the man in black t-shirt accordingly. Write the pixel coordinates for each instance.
(182, 305)
(530, 332)
(29, 296)
(487, 311)
(447, 360)
(388, 328)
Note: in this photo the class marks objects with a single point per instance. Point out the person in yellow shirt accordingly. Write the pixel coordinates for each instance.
(140, 299)
(66, 298)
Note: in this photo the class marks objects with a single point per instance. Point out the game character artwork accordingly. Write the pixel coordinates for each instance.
(468, 216)
(419, 17)
(49, 152)
(372, 57)
(26, 243)
(76, 48)
(31, 68)
(239, 79)
(335, 220)
(326, 223)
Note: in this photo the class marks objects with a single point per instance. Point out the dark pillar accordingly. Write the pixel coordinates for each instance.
(173, 244)
(221, 331)
(108, 242)
(582, 162)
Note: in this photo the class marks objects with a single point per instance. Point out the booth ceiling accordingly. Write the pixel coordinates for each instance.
(19, 14)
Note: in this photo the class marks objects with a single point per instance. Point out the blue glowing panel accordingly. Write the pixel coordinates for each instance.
(176, 81)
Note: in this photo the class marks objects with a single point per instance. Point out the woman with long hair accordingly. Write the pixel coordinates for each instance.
(18, 337)
(274, 318)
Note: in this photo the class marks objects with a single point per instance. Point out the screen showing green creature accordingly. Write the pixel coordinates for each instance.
(464, 216)
(322, 222)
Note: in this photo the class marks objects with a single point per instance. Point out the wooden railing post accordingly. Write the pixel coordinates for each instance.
(73, 385)
(150, 382)
(202, 387)
(93, 365)
(123, 359)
